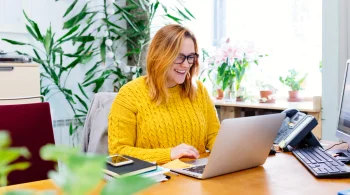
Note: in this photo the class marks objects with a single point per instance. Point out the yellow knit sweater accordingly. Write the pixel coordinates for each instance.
(138, 127)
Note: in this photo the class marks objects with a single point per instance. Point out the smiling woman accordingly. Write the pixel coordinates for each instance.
(166, 114)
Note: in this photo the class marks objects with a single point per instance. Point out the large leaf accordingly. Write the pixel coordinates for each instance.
(127, 185)
(15, 166)
(70, 8)
(55, 153)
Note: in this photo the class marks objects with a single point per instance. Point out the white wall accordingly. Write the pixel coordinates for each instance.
(335, 52)
(44, 12)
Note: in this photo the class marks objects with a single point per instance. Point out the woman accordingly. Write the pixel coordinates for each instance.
(166, 114)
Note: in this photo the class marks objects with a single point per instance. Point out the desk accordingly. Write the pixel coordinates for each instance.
(234, 109)
(281, 174)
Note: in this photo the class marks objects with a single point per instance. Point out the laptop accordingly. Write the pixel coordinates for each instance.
(241, 143)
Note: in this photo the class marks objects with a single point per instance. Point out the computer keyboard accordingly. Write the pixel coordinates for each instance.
(196, 169)
(284, 131)
(320, 163)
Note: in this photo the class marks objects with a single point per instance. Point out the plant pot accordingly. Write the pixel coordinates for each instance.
(294, 96)
(239, 99)
(220, 94)
(265, 97)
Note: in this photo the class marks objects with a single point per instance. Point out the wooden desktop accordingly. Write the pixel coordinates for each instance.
(233, 109)
(281, 174)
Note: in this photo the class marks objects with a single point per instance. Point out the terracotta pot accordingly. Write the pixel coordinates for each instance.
(265, 94)
(294, 96)
(220, 94)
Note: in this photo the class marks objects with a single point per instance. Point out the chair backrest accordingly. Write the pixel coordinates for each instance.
(96, 124)
(29, 126)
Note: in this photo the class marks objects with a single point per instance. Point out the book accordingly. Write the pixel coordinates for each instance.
(135, 168)
(159, 171)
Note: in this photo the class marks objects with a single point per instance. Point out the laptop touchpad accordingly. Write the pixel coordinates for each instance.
(201, 161)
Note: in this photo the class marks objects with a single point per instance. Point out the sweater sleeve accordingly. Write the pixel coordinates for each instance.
(212, 120)
(122, 130)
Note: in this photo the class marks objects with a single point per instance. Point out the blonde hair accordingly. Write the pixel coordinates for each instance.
(162, 53)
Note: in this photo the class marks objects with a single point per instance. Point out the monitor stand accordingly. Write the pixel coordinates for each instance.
(342, 155)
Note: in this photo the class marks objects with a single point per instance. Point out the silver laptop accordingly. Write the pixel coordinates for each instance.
(241, 143)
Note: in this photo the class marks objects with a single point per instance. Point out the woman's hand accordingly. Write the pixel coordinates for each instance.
(184, 150)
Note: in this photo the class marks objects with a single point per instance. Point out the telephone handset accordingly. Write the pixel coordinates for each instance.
(296, 130)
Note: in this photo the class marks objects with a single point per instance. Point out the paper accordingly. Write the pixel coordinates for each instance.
(176, 164)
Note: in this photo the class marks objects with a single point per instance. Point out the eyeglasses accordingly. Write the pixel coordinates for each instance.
(190, 58)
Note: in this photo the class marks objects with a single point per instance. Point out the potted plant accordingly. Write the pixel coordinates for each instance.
(230, 64)
(267, 92)
(294, 83)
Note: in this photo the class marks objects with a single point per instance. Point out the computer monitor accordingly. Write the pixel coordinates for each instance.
(343, 128)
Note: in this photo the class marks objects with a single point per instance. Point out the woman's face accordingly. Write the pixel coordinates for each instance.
(182, 64)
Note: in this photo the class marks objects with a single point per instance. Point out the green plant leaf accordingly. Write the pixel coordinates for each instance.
(20, 192)
(47, 40)
(16, 166)
(72, 64)
(82, 111)
(32, 33)
(182, 14)
(142, 4)
(130, 22)
(177, 20)
(35, 27)
(52, 152)
(71, 31)
(127, 185)
(189, 13)
(110, 23)
(84, 39)
(4, 139)
(70, 8)
(15, 42)
(82, 91)
(76, 19)
(82, 102)
(93, 68)
(103, 50)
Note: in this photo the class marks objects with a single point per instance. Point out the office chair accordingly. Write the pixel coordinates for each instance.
(29, 125)
(95, 138)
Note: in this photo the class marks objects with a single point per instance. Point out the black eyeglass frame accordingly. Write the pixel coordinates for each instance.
(196, 55)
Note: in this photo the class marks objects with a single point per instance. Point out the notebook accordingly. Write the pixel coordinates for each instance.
(135, 168)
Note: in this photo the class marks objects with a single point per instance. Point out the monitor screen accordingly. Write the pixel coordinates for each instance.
(344, 114)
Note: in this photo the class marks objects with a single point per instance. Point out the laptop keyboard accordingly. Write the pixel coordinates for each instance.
(196, 169)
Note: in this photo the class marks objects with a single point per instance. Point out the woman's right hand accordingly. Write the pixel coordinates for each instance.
(184, 150)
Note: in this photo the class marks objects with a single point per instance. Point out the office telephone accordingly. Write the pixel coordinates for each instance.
(296, 131)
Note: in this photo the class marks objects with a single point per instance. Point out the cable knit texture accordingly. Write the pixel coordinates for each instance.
(138, 127)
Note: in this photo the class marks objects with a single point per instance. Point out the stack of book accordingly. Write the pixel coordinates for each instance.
(138, 167)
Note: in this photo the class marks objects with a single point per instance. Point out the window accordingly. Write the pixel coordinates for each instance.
(290, 32)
